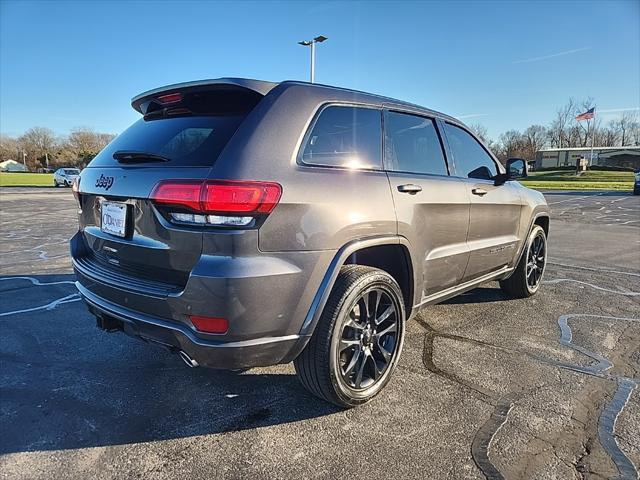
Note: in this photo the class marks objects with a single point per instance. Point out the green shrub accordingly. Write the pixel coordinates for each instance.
(607, 168)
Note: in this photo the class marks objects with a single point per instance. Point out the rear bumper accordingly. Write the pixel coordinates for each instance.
(178, 337)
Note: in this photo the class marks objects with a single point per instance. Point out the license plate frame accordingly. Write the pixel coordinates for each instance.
(113, 218)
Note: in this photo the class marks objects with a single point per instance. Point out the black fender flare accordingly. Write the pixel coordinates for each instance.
(324, 290)
(322, 295)
(521, 248)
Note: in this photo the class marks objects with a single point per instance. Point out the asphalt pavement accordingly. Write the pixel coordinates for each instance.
(487, 387)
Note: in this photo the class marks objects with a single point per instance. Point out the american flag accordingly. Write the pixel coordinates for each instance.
(588, 115)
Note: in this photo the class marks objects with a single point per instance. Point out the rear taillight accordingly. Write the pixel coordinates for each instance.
(227, 203)
(240, 197)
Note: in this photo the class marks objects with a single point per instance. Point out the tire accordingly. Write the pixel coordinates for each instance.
(636, 190)
(55, 184)
(519, 285)
(324, 368)
(67, 184)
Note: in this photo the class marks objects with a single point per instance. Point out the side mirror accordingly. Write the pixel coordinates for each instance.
(516, 168)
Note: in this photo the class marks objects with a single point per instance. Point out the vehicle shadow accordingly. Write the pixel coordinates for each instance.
(479, 295)
(64, 384)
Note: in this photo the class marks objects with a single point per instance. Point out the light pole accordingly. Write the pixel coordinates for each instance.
(312, 44)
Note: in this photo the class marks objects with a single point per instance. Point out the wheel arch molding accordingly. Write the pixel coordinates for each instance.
(362, 250)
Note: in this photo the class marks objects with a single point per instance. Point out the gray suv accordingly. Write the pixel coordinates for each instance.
(243, 223)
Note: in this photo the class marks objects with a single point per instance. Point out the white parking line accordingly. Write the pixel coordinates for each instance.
(37, 282)
(74, 297)
(594, 269)
(608, 290)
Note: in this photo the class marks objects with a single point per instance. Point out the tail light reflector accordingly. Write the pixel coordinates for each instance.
(210, 324)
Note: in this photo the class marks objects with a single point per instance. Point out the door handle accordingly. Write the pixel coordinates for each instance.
(479, 191)
(409, 188)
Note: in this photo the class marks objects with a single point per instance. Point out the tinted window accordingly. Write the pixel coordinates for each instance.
(345, 137)
(413, 145)
(471, 159)
(72, 171)
(186, 141)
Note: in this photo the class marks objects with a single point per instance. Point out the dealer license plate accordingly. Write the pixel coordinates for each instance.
(114, 218)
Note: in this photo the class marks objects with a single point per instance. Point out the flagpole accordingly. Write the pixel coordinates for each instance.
(593, 134)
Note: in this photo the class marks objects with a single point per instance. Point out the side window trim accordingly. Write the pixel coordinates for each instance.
(439, 132)
(300, 162)
(451, 160)
(497, 164)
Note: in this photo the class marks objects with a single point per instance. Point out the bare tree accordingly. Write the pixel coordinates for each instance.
(608, 136)
(85, 143)
(634, 133)
(583, 129)
(81, 146)
(38, 143)
(481, 131)
(535, 138)
(9, 149)
(558, 132)
(624, 125)
(512, 144)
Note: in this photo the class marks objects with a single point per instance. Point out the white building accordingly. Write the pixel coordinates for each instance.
(602, 156)
(12, 166)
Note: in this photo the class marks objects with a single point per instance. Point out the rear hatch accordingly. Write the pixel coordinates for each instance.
(129, 239)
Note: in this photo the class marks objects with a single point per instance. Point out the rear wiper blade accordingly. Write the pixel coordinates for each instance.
(127, 156)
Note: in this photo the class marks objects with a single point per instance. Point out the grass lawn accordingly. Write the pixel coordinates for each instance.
(26, 179)
(590, 180)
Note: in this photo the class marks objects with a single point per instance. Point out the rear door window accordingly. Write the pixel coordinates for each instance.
(471, 159)
(412, 145)
(190, 141)
(345, 136)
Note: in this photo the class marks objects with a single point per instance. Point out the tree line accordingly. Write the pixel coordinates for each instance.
(564, 131)
(39, 146)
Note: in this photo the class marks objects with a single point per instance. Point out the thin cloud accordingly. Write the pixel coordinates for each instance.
(616, 110)
(553, 55)
(473, 115)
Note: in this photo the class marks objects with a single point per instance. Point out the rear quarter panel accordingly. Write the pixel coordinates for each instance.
(320, 208)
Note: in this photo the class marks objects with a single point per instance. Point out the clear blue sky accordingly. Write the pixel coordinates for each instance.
(503, 64)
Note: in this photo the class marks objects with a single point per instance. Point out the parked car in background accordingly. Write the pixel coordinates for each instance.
(65, 177)
(243, 223)
(636, 183)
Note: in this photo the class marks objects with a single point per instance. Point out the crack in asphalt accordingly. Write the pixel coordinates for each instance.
(610, 413)
(427, 360)
(486, 433)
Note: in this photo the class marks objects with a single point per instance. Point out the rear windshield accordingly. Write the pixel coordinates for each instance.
(193, 141)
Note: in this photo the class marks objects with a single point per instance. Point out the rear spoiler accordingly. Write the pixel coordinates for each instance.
(156, 99)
